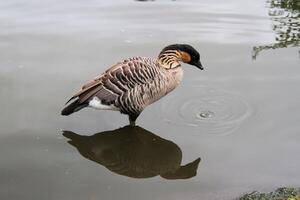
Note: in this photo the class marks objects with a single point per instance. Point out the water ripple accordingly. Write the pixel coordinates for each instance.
(209, 110)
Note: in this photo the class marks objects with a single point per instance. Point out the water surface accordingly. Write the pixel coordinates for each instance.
(247, 140)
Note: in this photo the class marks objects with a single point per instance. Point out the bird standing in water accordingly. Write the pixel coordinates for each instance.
(133, 84)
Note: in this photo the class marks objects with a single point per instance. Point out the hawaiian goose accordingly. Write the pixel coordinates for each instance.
(131, 85)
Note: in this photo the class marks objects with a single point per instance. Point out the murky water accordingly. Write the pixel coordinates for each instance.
(240, 115)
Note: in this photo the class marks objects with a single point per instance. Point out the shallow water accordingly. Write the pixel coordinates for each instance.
(247, 140)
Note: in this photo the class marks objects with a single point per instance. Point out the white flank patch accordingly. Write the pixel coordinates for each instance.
(97, 104)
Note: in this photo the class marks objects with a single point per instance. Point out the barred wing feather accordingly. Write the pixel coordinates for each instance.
(118, 80)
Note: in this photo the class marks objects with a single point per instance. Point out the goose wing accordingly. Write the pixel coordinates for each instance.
(117, 80)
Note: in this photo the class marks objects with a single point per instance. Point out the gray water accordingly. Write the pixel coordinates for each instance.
(240, 115)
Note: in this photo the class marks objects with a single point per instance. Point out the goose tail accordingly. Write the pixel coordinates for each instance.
(73, 107)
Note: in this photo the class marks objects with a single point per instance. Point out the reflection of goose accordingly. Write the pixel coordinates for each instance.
(134, 152)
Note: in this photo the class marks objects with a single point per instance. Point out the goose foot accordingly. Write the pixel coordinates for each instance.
(132, 119)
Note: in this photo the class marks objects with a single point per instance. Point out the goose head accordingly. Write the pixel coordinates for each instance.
(184, 52)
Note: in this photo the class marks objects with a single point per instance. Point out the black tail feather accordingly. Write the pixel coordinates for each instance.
(73, 107)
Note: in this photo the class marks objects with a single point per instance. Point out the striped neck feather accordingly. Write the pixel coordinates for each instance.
(169, 59)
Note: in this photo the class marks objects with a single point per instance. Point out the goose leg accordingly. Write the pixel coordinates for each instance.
(132, 119)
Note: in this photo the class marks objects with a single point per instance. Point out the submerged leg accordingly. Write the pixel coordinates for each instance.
(132, 119)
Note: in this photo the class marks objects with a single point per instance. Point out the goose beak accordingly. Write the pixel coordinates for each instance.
(198, 65)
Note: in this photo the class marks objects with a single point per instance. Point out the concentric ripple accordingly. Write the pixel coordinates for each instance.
(208, 110)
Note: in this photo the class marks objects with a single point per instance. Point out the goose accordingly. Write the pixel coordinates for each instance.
(134, 83)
